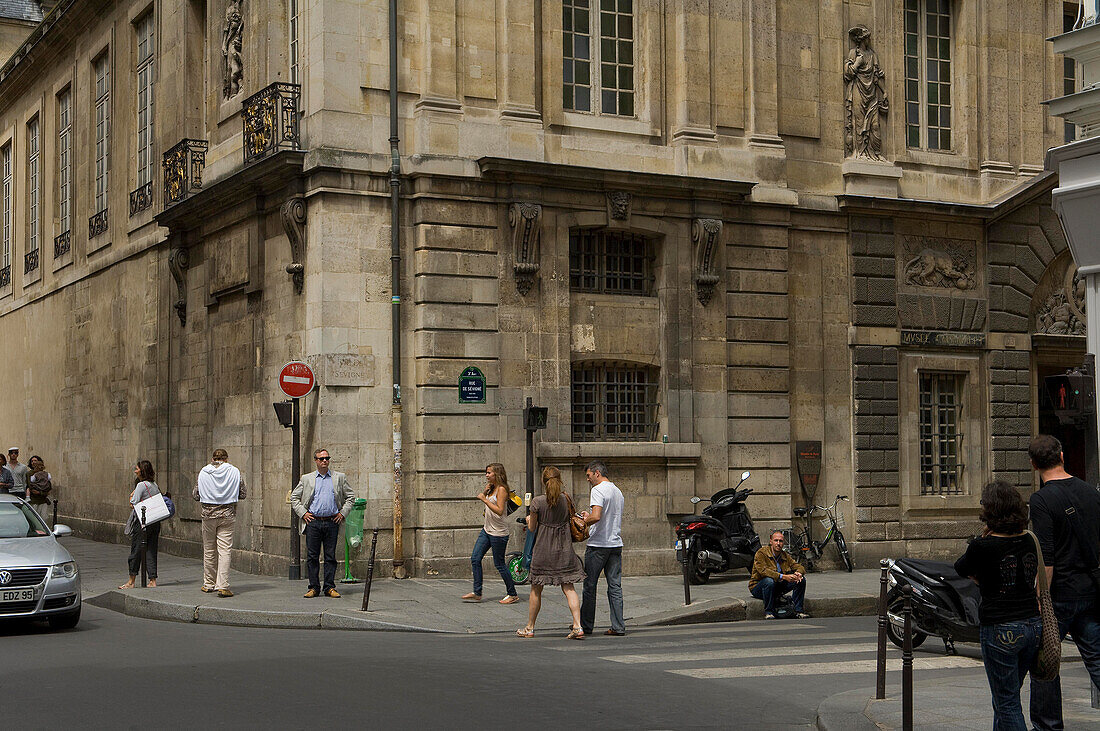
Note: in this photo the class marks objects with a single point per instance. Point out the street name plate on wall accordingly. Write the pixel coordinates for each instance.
(936, 338)
(471, 386)
(808, 459)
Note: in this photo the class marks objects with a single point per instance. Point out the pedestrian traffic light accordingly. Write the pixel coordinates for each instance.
(1073, 395)
(534, 417)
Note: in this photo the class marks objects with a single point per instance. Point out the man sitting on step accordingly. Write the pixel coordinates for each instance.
(774, 573)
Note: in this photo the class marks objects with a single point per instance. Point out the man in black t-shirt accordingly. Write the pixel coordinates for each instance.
(1065, 514)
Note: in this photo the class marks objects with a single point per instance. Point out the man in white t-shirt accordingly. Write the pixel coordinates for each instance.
(605, 549)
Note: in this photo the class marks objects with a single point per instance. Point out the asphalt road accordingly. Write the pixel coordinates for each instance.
(121, 672)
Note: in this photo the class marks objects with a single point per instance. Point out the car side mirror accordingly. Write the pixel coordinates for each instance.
(60, 530)
(695, 499)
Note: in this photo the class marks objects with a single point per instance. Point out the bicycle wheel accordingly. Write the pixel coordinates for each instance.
(842, 547)
(520, 574)
(798, 545)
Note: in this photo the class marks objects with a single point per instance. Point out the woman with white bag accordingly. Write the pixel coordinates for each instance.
(145, 487)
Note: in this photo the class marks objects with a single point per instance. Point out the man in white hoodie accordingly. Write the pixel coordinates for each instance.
(220, 486)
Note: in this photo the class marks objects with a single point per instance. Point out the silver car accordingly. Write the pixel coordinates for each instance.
(38, 577)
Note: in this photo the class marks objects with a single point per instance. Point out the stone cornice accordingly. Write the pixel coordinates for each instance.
(40, 34)
(506, 170)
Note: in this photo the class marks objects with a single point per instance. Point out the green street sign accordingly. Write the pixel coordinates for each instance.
(471, 386)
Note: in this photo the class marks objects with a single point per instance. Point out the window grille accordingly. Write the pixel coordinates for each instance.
(928, 74)
(612, 22)
(146, 46)
(32, 190)
(940, 438)
(611, 262)
(64, 160)
(102, 128)
(614, 402)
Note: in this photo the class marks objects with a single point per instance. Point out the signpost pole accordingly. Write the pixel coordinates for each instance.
(296, 471)
(529, 464)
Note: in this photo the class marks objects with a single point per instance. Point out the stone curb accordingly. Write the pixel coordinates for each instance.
(847, 712)
(145, 608)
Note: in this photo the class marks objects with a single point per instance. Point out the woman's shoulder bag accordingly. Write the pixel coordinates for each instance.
(577, 527)
(1049, 658)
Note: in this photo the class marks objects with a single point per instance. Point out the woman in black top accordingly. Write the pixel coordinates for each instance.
(1003, 562)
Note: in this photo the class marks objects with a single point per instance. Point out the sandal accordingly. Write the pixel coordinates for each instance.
(575, 633)
(126, 586)
(510, 599)
(471, 597)
(525, 632)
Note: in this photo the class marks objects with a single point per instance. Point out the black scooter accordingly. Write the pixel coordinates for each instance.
(720, 539)
(944, 603)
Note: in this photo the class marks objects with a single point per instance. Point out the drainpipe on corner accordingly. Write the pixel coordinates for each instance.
(399, 571)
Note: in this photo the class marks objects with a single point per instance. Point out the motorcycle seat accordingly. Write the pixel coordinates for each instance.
(801, 512)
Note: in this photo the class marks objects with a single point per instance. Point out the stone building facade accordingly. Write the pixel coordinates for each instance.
(698, 233)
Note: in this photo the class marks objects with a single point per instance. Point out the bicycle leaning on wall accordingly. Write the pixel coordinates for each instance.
(805, 549)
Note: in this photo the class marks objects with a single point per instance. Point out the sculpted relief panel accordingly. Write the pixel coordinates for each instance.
(1059, 304)
(939, 263)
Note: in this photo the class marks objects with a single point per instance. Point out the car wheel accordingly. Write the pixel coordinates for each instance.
(67, 620)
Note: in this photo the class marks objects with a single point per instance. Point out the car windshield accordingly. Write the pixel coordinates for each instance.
(18, 520)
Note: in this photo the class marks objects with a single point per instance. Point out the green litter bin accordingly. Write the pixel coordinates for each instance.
(353, 537)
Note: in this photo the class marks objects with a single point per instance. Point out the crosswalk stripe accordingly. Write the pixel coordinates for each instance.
(732, 639)
(825, 668)
(737, 654)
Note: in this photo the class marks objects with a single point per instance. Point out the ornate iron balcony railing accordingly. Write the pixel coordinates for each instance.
(183, 166)
(30, 261)
(270, 119)
(61, 244)
(141, 198)
(97, 224)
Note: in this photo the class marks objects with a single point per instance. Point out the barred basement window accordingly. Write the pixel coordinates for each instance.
(612, 22)
(941, 396)
(610, 262)
(928, 74)
(614, 402)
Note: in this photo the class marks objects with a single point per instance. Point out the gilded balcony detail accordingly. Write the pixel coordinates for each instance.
(270, 119)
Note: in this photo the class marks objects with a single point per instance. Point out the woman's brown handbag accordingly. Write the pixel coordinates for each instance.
(1049, 659)
(577, 527)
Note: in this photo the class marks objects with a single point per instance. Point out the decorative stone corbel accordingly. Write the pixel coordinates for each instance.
(293, 213)
(705, 233)
(178, 261)
(618, 205)
(525, 220)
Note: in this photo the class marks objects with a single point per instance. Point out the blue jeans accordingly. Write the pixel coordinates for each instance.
(1082, 620)
(610, 562)
(1009, 650)
(770, 591)
(481, 546)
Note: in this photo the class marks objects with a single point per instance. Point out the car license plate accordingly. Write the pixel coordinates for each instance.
(17, 595)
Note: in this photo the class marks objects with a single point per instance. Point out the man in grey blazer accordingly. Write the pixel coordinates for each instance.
(322, 499)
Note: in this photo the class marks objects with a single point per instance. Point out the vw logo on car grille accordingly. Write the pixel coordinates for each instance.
(5, 578)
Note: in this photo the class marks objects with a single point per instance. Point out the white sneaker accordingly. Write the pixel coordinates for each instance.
(769, 615)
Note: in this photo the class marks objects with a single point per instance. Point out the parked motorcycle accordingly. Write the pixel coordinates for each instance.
(720, 539)
(944, 603)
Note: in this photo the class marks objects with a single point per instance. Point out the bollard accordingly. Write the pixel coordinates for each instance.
(370, 569)
(880, 682)
(144, 578)
(907, 661)
(54, 513)
(687, 578)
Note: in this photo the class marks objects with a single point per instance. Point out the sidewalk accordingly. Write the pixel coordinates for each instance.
(430, 605)
(960, 702)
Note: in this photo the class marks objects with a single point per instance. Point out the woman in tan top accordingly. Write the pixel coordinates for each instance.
(494, 534)
(553, 562)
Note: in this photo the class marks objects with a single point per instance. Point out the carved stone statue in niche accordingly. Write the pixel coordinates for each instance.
(231, 49)
(933, 268)
(865, 102)
(1063, 312)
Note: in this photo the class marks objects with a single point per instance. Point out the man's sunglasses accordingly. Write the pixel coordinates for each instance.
(322, 459)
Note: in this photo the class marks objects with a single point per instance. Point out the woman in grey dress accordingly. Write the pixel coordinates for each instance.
(553, 562)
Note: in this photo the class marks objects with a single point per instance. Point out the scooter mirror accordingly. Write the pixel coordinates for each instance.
(745, 475)
(696, 499)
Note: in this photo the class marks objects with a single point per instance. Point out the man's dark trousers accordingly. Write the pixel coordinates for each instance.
(608, 561)
(321, 531)
(771, 591)
(1081, 619)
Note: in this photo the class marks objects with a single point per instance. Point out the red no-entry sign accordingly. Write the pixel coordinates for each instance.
(296, 379)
